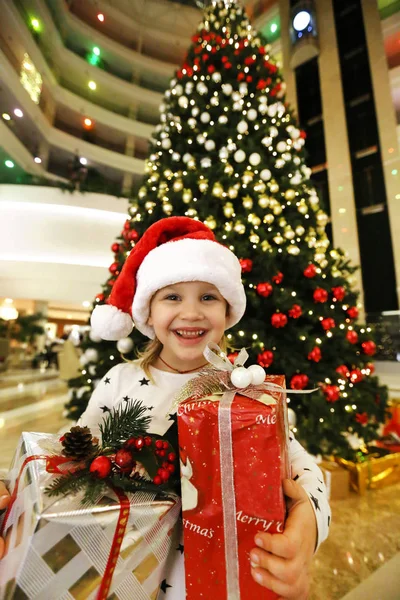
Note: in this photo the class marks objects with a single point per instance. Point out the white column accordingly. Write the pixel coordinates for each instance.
(288, 73)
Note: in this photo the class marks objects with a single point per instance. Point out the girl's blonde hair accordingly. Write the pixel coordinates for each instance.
(153, 349)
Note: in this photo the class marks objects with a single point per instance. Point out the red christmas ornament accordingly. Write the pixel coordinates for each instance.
(115, 248)
(295, 312)
(315, 354)
(328, 323)
(228, 65)
(210, 69)
(249, 79)
(114, 268)
(249, 60)
(139, 443)
(218, 39)
(127, 225)
(352, 312)
(131, 235)
(100, 297)
(371, 368)
(261, 50)
(356, 376)
(124, 460)
(343, 371)
(352, 336)
(362, 418)
(299, 382)
(262, 84)
(246, 264)
(369, 347)
(310, 271)
(231, 357)
(157, 480)
(205, 57)
(265, 359)
(332, 393)
(320, 295)
(241, 76)
(279, 320)
(165, 445)
(111, 282)
(213, 50)
(339, 292)
(101, 466)
(278, 278)
(264, 289)
(303, 134)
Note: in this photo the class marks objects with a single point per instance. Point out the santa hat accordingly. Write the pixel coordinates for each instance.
(172, 250)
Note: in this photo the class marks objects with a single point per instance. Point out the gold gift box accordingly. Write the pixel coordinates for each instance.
(372, 473)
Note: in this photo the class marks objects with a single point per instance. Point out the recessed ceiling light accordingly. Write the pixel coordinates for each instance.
(9, 164)
(83, 160)
(92, 85)
(37, 160)
(18, 112)
(6, 117)
(100, 17)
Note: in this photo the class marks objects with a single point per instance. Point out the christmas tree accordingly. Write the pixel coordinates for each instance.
(228, 151)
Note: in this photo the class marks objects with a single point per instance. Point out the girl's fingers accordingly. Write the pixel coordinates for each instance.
(280, 568)
(276, 543)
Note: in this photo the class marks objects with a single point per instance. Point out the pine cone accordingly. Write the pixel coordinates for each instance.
(78, 442)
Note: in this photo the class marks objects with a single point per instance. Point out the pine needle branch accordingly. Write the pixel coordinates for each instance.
(71, 483)
(123, 423)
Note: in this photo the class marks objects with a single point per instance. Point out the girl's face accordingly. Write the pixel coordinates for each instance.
(186, 317)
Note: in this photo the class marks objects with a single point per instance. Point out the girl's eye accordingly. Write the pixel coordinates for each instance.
(209, 297)
(172, 297)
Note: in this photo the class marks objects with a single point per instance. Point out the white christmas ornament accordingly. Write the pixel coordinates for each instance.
(161, 108)
(280, 163)
(187, 157)
(296, 179)
(91, 355)
(200, 138)
(263, 100)
(192, 122)
(241, 377)
(265, 174)
(125, 345)
(243, 89)
(267, 141)
(252, 114)
(183, 102)
(214, 101)
(231, 146)
(178, 89)
(209, 145)
(272, 110)
(227, 89)
(195, 111)
(205, 117)
(292, 419)
(166, 143)
(206, 162)
(297, 160)
(287, 156)
(223, 153)
(83, 361)
(237, 106)
(202, 88)
(294, 134)
(175, 156)
(223, 119)
(236, 96)
(189, 87)
(95, 338)
(257, 374)
(281, 146)
(273, 132)
(216, 77)
(263, 109)
(255, 159)
(239, 156)
(242, 127)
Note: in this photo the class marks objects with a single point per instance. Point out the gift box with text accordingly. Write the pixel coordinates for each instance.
(255, 454)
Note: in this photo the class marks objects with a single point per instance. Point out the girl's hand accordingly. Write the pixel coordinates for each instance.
(4, 501)
(282, 561)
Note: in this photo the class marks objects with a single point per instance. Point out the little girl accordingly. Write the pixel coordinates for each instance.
(183, 289)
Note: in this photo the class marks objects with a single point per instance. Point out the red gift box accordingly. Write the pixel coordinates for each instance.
(233, 460)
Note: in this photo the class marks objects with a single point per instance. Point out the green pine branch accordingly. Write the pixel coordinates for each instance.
(70, 483)
(123, 423)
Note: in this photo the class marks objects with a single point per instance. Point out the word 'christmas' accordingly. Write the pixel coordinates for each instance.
(209, 533)
(240, 516)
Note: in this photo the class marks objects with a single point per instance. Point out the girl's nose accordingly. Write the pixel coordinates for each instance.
(191, 310)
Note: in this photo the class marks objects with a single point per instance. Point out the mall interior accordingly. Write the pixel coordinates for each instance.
(83, 90)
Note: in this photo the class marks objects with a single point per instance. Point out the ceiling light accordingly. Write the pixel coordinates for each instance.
(92, 85)
(18, 113)
(83, 160)
(6, 117)
(100, 17)
(37, 160)
(301, 20)
(86, 303)
(88, 123)
(96, 50)
(9, 164)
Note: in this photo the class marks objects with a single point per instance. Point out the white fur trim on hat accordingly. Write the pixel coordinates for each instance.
(110, 323)
(188, 260)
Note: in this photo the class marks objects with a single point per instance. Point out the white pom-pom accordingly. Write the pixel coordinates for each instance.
(110, 323)
(257, 374)
(83, 360)
(241, 377)
(125, 345)
(94, 337)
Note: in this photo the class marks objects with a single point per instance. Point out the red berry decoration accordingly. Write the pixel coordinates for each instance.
(147, 440)
(332, 393)
(369, 347)
(295, 312)
(164, 474)
(299, 382)
(352, 312)
(343, 371)
(339, 292)
(356, 376)
(165, 445)
(315, 354)
(114, 268)
(157, 480)
(264, 289)
(310, 271)
(124, 460)
(101, 466)
(171, 457)
(279, 320)
(171, 468)
(362, 418)
(328, 323)
(162, 452)
(132, 235)
(278, 278)
(246, 264)
(320, 295)
(131, 443)
(265, 359)
(159, 444)
(352, 336)
(115, 247)
(139, 443)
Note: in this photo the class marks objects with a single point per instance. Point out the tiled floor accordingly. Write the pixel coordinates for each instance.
(364, 533)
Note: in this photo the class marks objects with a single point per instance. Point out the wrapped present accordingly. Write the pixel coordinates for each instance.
(98, 541)
(233, 453)
(372, 472)
(393, 423)
(336, 478)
